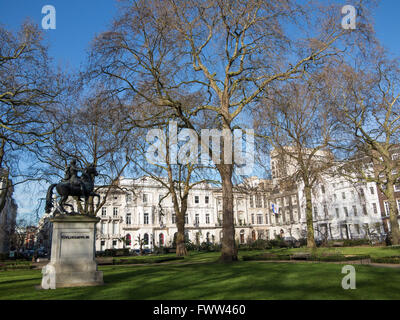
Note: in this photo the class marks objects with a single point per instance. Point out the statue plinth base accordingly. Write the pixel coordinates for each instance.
(72, 262)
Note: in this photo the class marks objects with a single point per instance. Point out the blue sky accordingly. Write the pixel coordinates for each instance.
(78, 21)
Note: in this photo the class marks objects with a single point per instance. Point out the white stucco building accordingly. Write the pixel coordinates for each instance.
(341, 211)
(262, 210)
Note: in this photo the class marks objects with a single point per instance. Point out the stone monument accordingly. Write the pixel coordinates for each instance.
(72, 260)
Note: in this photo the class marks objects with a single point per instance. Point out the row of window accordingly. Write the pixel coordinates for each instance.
(146, 198)
(128, 218)
(288, 215)
(257, 200)
(346, 211)
(140, 240)
(362, 194)
(280, 217)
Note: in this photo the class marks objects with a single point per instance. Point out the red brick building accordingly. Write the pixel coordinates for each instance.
(383, 203)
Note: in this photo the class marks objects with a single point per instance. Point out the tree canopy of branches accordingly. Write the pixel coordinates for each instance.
(89, 131)
(369, 111)
(176, 178)
(228, 51)
(29, 93)
(298, 123)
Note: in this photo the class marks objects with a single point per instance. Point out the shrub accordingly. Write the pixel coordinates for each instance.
(160, 250)
(355, 242)
(190, 246)
(100, 254)
(396, 246)
(114, 252)
(261, 244)
(392, 259)
(308, 257)
(142, 261)
(302, 242)
(338, 257)
(348, 242)
(266, 257)
(15, 265)
(209, 247)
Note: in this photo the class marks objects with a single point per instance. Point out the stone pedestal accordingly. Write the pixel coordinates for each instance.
(73, 248)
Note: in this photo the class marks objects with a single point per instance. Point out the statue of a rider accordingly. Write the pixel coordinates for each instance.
(73, 185)
(71, 175)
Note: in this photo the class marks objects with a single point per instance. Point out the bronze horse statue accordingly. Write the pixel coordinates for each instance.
(84, 188)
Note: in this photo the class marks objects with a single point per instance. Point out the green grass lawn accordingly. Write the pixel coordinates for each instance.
(194, 256)
(374, 252)
(210, 280)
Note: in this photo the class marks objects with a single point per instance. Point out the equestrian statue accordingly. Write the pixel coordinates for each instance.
(74, 186)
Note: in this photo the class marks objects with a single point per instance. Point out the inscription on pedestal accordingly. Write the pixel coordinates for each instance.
(64, 236)
(75, 245)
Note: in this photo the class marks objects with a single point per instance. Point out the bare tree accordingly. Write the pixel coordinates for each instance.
(230, 51)
(369, 111)
(178, 179)
(29, 95)
(90, 134)
(297, 122)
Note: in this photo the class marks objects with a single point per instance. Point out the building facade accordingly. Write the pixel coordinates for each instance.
(133, 214)
(139, 212)
(7, 217)
(383, 200)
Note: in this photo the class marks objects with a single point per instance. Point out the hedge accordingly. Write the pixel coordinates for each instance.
(113, 252)
(267, 257)
(15, 266)
(349, 242)
(328, 258)
(339, 257)
(141, 261)
(396, 246)
(392, 259)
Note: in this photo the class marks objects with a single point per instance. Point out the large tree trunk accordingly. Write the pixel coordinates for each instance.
(309, 218)
(393, 214)
(180, 237)
(180, 224)
(229, 250)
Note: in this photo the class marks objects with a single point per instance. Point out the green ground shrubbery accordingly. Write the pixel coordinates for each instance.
(349, 242)
(145, 260)
(391, 259)
(113, 252)
(15, 265)
(393, 247)
(307, 257)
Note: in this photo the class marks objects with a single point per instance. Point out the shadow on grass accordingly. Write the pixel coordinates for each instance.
(241, 280)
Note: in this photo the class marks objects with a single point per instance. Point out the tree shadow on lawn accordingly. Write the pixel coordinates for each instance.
(237, 281)
(241, 280)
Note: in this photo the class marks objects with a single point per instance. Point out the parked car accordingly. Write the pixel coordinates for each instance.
(42, 253)
(145, 251)
(28, 253)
